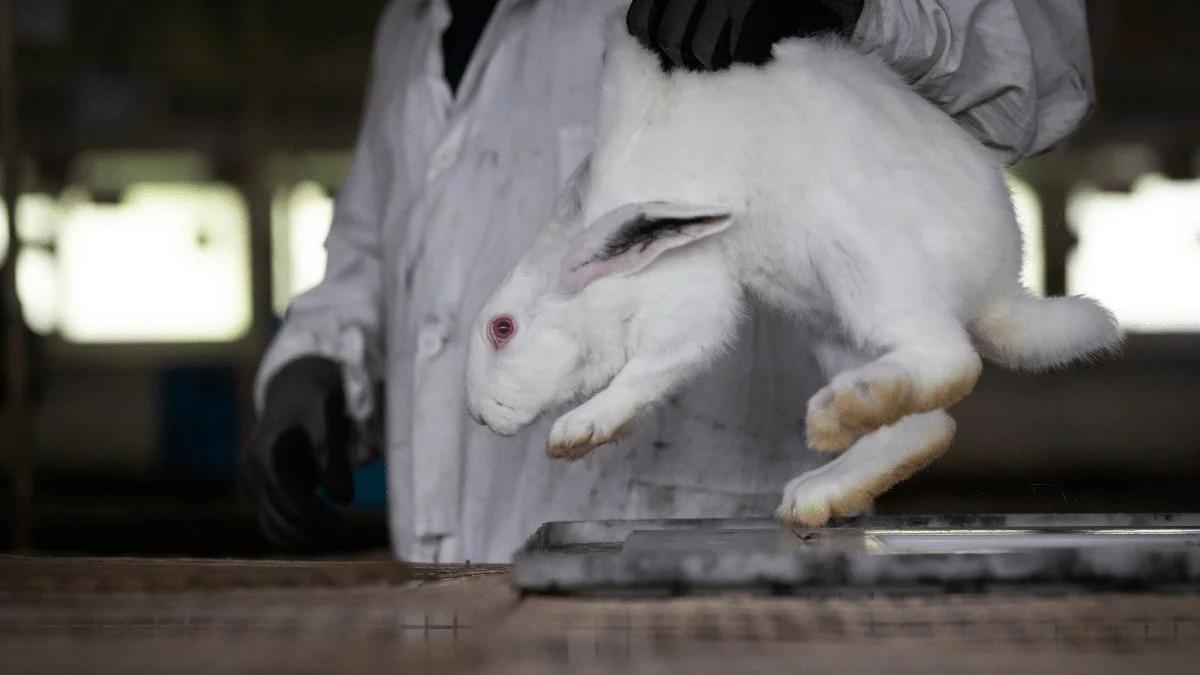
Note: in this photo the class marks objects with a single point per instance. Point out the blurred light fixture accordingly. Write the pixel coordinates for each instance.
(300, 218)
(168, 263)
(1139, 253)
(37, 218)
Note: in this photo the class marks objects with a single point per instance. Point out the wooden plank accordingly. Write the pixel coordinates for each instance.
(378, 616)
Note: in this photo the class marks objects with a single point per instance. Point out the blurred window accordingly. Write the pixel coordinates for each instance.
(300, 220)
(168, 262)
(1139, 253)
(1029, 215)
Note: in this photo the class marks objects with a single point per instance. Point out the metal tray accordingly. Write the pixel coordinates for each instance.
(871, 554)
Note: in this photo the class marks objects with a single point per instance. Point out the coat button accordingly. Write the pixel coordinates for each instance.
(430, 341)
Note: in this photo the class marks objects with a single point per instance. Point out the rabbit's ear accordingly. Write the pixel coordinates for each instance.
(631, 237)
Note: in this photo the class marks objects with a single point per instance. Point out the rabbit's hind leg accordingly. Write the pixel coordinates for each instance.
(834, 357)
(928, 365)
(874, 464)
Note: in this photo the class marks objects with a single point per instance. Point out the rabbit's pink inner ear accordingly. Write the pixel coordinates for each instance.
(625, 247)
(577, 276)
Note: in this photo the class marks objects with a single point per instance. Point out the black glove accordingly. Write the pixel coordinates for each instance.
(712, 34)
(299, 445)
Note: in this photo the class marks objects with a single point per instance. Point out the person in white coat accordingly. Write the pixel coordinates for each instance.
(449, 185)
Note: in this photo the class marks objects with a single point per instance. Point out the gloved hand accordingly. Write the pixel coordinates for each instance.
(712, 34)
(300, 444)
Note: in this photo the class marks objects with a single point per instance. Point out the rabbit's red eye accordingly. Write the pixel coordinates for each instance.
(501, 329)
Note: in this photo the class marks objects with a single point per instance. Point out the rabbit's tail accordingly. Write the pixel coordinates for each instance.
(1026, 332)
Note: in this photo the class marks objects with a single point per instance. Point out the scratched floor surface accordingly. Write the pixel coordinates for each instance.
(155, 616)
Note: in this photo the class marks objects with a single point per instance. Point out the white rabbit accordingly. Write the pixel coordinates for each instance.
(823, 186)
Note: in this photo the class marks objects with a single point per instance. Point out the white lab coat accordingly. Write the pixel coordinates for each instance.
(446, 191)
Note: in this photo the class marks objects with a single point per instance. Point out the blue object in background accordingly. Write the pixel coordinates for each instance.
(370, 487)
(201, 433)
(200, 423)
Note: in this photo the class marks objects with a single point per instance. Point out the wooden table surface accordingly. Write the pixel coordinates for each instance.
(205, 616)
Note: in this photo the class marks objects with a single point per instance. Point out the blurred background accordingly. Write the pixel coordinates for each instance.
(173, 175)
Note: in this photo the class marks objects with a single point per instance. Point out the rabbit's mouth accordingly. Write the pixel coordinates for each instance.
(500, 418)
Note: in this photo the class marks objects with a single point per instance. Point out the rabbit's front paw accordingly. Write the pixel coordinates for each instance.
(856, 403)
(818, 495)
(587, 427)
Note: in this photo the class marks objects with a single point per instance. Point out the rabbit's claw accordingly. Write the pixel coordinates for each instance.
(586, 428)
(814, 497)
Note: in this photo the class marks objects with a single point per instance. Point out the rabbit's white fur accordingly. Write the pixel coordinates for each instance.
(822, 185)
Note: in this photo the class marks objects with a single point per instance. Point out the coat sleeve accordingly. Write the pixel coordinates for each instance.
(342, 317)
(1015, 73)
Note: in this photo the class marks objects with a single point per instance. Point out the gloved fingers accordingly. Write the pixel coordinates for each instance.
(318, 532)
(642, 20)
(278, 529)
(329, 442)
(712, 34)
(295, 515)
(710, 43)
(753, 30)
(264, 498)
(807, 18)
(675, 32)
(280, 478)
(336, 475)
